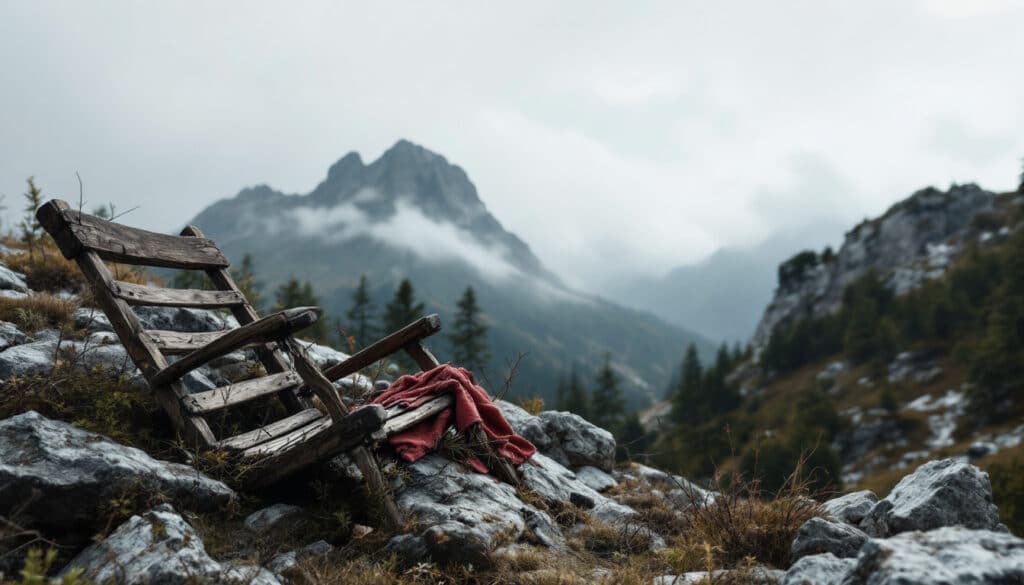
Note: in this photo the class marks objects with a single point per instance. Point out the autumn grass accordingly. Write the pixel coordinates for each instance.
(41, 311)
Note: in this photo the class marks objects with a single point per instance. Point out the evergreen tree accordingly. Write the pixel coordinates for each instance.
(403, 308)
(469, 335)
(31, 230)
(633, 441)
(577, 400)
(245, 278)
(361, 314)
(607, 404)
(686, 401)
(293, 294)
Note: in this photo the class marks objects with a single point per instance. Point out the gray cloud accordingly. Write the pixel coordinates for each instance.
(607, 136)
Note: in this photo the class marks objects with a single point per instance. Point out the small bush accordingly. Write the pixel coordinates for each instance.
(46, 269)
(1007, 475)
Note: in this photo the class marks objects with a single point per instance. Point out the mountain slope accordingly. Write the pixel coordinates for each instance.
(411, 214)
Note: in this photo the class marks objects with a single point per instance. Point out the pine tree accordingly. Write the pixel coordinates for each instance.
(31, 230)
(403, 308)
(361, 315)
(686, 402)
(293, 294)
(245, 278)
(469, 336)
(577, 400)
(607, 404)
(632, 440)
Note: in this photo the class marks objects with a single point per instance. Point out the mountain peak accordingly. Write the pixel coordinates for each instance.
(345, 167)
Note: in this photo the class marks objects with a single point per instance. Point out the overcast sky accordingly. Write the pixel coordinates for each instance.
(640, 135)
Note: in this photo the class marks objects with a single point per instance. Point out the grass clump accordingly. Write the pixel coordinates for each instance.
(41, 311)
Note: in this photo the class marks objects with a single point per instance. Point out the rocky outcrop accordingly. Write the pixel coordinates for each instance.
(160, 547)
(823, 569)
(818, 536)
(756, 576)
(57, 475)
(914, 241)
(940, 493)
(565, 437)
(946, 555)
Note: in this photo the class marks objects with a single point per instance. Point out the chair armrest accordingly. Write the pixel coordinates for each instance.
(411, 333)
(270, 328)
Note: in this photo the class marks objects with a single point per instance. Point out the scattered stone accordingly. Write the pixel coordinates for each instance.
(285, 562)
(183, 319)
(823, 569)
(10, 335)
(11, 280)
(818, 535)
(980, 449)
(832, 371)
(595, 479)
(60, 476)
(274, 517)
(408, 549)
(159, 547)
(941, 493)
(946, 555)
(851, 508)
(555, 483)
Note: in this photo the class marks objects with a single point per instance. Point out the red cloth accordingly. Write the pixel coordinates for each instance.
(472, 405)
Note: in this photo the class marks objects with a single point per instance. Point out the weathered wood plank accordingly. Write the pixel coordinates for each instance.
(317, 442)
(399, 420)
(75, 232)
(250, 439)
(421, 355)
(314, 379)
(182, 342)
(138, 294)
(272, 328)
(221, 398)
(415, 331)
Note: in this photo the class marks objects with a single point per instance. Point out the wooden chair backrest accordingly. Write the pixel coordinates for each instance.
(92, 241)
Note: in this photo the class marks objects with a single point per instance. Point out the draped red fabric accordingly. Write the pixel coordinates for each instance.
(471, 405)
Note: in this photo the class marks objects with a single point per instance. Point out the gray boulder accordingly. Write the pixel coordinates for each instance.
(940, 493)
(823, 569)
(945, 556)
(851, 508)
(274, 517)
(466, 514)
(11, 280)
(595, 479)
(159, 547)
(285, 562)
(758, 576)
(59, 475)
(184, 319)
(819, 535)
(563, 436)
(10, 335)
(554, 483)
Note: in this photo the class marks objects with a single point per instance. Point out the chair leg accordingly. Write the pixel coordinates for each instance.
(370, 468)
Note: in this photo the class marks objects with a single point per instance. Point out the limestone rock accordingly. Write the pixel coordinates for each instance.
(274, 517)
(819, 535)
(62, 475)
(563, 436)
(10, 335)
(823, 569)
(950, 555)
(12, 281)
(159, 547)
(851, 508)
(941, 493)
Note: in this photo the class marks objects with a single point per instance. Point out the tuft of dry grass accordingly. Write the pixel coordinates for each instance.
(41, 311)
(533, 405)
(46, 269)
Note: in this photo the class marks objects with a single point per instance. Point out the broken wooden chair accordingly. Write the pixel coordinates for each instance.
(306, 434)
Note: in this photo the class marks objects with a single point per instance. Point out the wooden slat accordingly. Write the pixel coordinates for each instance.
(421, 355)
(138, 294)
(220, 398)
(413, 332)
(399, 420)
(272, 328)
(182, 342)
(315, 442)
(276, 429)
(273, 359)
(75, 232)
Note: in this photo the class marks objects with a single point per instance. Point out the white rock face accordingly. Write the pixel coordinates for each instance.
(851, 508)
(12, 281)
(819, 535)
(952, 555)
(160, 548)
(62, 475)
(949, 492)
(914, 241)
